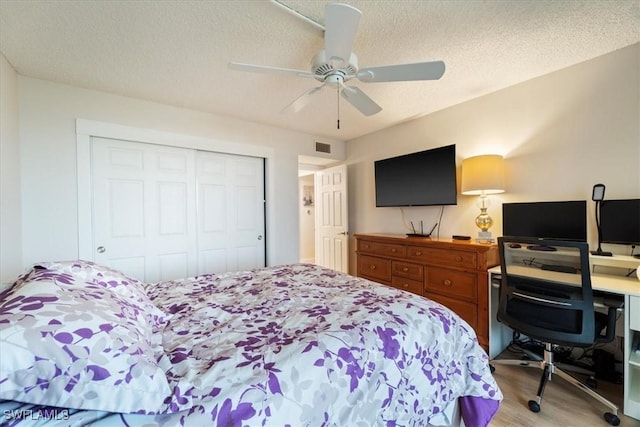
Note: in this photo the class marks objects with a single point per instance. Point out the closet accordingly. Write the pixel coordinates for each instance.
(161, 212)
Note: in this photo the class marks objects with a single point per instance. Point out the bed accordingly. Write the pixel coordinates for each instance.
(292, 345)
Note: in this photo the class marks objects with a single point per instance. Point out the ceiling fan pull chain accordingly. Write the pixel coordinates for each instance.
(338, 102)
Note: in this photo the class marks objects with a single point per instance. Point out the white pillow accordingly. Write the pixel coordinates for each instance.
(75, 344)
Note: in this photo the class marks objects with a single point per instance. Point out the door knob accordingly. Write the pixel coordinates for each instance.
(100, 249)
(259, 236)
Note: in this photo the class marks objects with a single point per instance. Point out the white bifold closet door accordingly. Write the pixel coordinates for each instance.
(161, 213)
(230, 211)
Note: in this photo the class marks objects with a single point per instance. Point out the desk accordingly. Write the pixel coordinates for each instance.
(500, 335)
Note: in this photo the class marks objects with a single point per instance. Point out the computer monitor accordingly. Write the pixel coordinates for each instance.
(563, 220)
(620, 221)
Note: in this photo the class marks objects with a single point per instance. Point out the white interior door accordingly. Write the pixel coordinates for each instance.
(332, 240)
(231, 208)
(144, 209)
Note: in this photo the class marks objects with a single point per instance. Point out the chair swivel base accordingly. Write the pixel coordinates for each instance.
(548, 369)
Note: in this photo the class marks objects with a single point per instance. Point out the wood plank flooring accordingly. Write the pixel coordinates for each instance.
(562, 403)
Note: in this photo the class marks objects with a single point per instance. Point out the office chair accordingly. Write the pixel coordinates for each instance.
(546, 295)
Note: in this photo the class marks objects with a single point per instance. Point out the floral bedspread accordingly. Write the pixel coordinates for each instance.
(300, 345)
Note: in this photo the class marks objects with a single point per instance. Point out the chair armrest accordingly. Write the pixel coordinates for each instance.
(613, 301)
(610, 331)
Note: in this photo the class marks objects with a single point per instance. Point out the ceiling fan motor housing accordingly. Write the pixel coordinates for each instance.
(333, 71)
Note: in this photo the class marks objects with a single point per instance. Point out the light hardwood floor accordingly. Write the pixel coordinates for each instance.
(562, 404)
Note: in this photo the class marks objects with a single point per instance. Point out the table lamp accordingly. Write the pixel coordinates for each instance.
(483, 175)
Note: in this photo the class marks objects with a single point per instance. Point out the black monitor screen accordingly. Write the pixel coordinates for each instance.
(548, 220)
(620, 221)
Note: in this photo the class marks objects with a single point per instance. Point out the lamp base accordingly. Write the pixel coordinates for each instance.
(485, 237)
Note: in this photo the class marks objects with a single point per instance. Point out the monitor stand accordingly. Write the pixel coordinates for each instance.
(600, 252)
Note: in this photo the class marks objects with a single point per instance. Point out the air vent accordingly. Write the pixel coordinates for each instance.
(323, 148)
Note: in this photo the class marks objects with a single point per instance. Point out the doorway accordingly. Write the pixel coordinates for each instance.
(323, 228)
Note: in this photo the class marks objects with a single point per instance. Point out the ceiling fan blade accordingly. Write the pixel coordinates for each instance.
(268, 70)
(302, 101)
(341, 24)
(403, 72)
(360, 100)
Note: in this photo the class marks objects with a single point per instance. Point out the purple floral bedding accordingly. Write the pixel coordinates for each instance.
(294, 345)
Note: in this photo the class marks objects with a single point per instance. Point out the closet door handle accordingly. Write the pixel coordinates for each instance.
(101, 249)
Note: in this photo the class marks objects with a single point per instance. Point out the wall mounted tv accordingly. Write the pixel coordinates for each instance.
(425, 178)
(620, 221)
(547, 220)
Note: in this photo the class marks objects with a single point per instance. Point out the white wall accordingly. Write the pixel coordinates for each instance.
(10, 202)
(560, 134)
(48, 113)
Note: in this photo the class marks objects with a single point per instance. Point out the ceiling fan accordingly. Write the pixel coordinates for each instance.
(336, 64)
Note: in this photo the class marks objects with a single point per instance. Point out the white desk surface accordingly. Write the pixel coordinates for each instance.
(600, 282)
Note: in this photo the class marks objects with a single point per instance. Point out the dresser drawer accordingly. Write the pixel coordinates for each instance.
(387, 249)
(466, 310)
(450, 258)
(407, 270)
(414, 286)
(377, 268)
(452, 283)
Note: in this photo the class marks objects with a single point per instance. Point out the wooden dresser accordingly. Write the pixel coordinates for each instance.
(451, 272)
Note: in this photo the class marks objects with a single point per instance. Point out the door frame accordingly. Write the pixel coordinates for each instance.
(87, 129)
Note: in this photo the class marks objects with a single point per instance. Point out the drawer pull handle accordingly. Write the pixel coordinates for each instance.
(405, 285)
(418, 253)
(405, 269)
(372, 267)
(458, 258)
(447, 282)
(394, 250)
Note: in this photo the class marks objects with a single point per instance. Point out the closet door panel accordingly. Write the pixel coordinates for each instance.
(144, 208)
(230, 212)
(212, 260)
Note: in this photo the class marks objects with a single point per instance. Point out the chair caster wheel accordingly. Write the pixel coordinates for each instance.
(535, 407)
(612, 419)
(592, 383)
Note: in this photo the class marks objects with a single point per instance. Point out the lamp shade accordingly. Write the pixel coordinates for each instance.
(483, 175)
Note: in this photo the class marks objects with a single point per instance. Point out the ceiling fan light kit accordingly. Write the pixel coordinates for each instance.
(336, 64)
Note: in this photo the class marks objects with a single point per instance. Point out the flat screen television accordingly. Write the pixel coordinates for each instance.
(566, 220)
(425, 178)
(620, 221)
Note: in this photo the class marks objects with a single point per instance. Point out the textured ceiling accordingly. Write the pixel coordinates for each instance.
(176, 52)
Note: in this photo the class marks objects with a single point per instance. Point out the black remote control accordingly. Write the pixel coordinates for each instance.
(458, 237)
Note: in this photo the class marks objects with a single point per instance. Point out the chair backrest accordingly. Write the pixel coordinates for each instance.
(545, 291)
